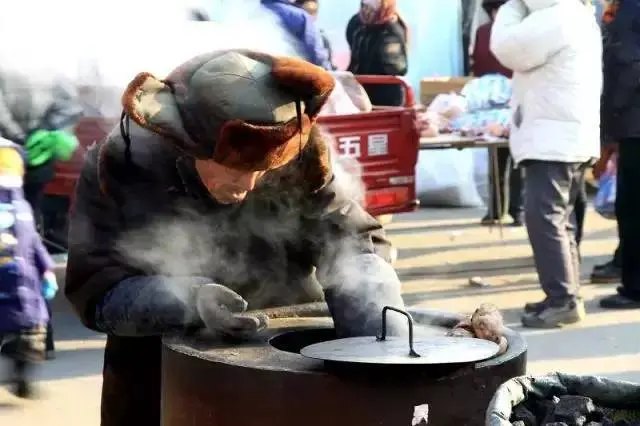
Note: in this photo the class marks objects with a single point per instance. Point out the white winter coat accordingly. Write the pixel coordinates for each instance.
(554, 48)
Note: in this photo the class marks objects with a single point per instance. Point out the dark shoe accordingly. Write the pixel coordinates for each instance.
(50, 355)
(536, 307)
(618, 301)
(608, 274)
(602, 266)
(488, 221)
(555, 316)
(517, 223)
(23, 389)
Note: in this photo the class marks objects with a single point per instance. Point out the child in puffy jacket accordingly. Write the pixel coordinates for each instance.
(26, 274)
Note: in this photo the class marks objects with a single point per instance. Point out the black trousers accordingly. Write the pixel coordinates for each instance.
(511, 201)
(580, 210)
(617, 257)
(627, 214)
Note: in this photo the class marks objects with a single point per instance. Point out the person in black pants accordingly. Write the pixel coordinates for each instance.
(627, 213)
(511, 199)
(621, 122)
(485, 63)
(610, 272)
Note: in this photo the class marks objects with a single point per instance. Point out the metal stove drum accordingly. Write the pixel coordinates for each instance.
(298, 373)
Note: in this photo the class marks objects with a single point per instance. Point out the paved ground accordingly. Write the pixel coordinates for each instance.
(439, 250)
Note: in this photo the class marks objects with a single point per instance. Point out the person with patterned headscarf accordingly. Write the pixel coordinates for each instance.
(378, 39)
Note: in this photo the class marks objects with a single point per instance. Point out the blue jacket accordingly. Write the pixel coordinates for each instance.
(300, 24)
(23, 262)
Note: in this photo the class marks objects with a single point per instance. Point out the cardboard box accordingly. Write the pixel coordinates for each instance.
(430, 87)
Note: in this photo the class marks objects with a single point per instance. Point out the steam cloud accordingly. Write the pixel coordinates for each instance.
(101, 46)
(185, 246)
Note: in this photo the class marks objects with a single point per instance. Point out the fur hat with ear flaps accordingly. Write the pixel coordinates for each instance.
(246, 110)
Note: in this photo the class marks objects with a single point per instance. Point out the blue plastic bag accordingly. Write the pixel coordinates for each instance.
(605, 200)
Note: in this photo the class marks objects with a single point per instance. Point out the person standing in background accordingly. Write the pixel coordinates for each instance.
(303, 28)
(554, 49)
(41, 119)
(311, 7)
(621, 123)
(378, 39)
(26, 275)
(484, 62)
(611, 271)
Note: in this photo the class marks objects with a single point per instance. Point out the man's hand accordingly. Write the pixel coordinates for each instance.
(221, 310)
(605, 154)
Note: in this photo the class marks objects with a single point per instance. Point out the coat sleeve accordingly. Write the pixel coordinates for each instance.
(353, 264)
(9, 128)
(312, 37)
(393, 51)
(522, 41)
(41, 256)
(109, 293)
(66, 109)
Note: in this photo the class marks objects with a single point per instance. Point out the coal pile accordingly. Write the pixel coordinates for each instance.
(570, 410)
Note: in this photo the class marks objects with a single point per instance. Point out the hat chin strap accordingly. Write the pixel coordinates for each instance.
(11, 182)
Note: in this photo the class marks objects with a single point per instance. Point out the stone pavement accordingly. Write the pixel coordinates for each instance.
(439, 250)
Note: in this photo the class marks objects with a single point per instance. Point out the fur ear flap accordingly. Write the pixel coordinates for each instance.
(317, 165)
(313, 171)
(151, 104)
(140, 98)
(313, 83)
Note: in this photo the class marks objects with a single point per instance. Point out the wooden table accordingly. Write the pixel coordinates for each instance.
(452, 141)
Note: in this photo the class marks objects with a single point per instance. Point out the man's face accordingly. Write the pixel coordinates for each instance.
(226, 185)
(312, 8)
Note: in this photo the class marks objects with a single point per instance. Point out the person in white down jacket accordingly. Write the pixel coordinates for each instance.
(554, 48)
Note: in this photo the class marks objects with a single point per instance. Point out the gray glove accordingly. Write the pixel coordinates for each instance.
(221, 310)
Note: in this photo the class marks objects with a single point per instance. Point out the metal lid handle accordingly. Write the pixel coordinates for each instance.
(383, 335)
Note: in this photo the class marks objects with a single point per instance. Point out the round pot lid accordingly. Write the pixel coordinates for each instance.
(396, 350)
(402, 350)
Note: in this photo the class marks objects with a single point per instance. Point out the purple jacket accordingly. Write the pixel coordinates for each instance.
(300, 24)
(23, 261)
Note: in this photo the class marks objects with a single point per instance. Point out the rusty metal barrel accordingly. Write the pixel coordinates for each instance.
(268, 382)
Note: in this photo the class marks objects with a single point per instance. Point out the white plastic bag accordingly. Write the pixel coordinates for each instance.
(354, 90)
(449, 105)
(445, 178)
(348, 96)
